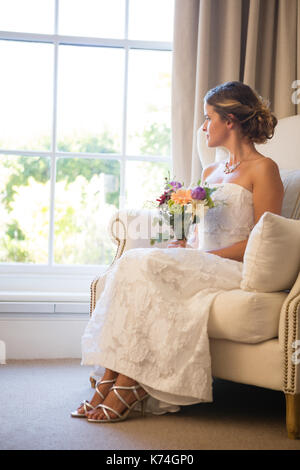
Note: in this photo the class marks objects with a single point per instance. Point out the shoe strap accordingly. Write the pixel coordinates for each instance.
(133, 388)
(87, 404)
(115, 388)
(105, 407)
(100, 382)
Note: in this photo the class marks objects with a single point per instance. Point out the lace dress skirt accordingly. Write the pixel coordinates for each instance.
(150, 322)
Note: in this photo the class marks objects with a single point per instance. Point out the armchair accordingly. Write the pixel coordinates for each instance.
(254, 341)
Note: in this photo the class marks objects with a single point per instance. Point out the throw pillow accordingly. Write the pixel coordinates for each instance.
(272, 256)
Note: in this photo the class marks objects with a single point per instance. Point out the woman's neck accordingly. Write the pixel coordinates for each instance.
(240, 152)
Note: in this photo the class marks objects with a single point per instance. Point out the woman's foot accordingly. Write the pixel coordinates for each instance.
(112, 400)
(103, 389)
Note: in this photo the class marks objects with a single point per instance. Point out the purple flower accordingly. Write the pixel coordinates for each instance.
(175, 185)
(198, 193)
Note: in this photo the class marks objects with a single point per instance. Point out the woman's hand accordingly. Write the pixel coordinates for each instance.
(177, 244)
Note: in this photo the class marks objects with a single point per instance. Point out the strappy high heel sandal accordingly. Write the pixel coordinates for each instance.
(86, 404)
(125, 414)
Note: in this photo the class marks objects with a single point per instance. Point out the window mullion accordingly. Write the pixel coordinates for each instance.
(53, 153)
(56, 16)
(124, 143)
(126, 19)
(85, 41)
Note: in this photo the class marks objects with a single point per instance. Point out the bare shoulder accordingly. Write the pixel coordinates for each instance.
(268, 189)
(266, 170)
(267, 162)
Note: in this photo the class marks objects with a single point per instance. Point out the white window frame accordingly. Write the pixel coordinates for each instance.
(48, 277)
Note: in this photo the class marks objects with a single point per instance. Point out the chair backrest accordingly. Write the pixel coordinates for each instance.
(283, 148)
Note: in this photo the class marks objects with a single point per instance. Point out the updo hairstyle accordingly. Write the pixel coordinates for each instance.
(251, 111)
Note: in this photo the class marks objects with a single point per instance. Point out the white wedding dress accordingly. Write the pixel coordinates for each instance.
(150, 323)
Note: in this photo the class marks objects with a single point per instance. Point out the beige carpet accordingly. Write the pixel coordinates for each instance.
(37, 397)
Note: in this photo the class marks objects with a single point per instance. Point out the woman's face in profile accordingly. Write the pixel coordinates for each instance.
(215, 128)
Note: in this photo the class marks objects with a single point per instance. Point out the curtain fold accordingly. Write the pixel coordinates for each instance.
(253, 41)
(183, 86)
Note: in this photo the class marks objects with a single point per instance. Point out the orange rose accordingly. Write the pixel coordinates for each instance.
(182, 196)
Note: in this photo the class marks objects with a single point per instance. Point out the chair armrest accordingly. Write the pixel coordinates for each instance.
(128, 229)
(289, 339)
(96, 288)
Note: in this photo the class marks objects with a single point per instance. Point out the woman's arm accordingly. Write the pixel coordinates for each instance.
(268, 189)
(268, 194)
(235, 251)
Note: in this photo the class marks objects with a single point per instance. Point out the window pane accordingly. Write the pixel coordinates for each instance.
(94, 18)
(30, 16)
(90, 99)
(144, 182)
(24, 207)
(86, 196)
(151, 20)
(149, 103)
(26, 92)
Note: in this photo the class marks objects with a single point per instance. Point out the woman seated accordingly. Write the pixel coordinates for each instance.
(149, 327)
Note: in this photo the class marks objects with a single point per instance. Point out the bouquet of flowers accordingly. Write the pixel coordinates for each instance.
(179, 208)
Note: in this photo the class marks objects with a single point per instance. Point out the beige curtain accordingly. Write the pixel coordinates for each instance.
(253, 41)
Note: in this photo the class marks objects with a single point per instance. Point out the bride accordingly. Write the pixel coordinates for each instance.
(149, 327)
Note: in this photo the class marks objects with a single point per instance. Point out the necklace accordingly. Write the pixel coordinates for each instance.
(230, 169)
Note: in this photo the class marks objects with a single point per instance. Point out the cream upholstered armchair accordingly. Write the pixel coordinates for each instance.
(255, 340)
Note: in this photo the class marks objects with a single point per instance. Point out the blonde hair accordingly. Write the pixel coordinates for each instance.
(249, 109)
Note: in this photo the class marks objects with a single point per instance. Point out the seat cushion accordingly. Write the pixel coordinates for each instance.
(246, 317)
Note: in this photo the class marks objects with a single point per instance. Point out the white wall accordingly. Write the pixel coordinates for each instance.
(42, 335)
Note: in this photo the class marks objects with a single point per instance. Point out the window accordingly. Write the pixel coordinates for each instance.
(85, 92)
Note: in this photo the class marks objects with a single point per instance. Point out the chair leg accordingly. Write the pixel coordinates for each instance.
(293, 415)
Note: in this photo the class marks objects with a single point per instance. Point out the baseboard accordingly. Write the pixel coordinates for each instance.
(42, 335)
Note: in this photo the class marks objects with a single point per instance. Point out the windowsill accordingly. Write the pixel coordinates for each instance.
(64, 291)
(31, 296)
(36, 307)
(38, 285)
